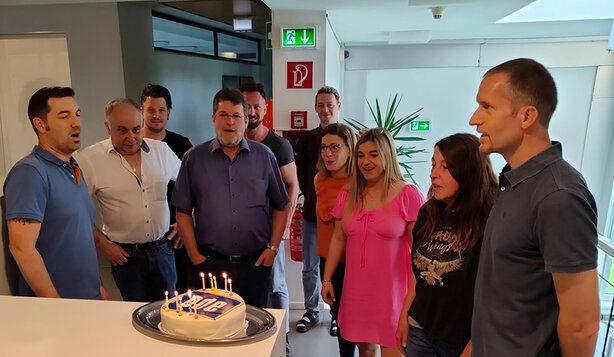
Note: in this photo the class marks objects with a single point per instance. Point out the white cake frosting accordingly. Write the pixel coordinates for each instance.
(218, 315)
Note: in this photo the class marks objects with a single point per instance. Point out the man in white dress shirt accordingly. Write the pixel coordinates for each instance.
(127, 175)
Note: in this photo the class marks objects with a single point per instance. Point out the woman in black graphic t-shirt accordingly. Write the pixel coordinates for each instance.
(436, 320)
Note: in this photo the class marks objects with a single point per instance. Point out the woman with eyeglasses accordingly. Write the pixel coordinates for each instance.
(374, 220)
(447, 239)
(334, 169)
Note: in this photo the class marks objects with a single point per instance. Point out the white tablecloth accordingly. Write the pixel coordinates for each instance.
(64, 327)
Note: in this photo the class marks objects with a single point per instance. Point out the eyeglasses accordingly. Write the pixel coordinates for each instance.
(334, 148)
(225, 116)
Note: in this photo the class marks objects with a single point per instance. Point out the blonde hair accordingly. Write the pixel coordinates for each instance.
(384, 144)
(349, 139)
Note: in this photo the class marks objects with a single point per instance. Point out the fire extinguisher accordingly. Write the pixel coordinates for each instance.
(296, 239)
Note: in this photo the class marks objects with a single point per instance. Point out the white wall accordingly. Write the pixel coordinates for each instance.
(444, 80)
(29, 62)
(94, 52)
(334, 59)
(287, 100)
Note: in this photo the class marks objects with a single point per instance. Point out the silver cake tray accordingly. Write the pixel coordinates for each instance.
(261, 324)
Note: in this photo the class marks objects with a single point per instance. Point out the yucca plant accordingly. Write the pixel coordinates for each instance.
(394, 125)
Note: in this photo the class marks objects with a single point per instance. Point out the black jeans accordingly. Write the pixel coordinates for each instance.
(346, 348)
(248, 280)
(147, 273)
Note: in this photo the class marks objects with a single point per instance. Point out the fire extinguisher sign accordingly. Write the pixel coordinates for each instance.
(300, 74)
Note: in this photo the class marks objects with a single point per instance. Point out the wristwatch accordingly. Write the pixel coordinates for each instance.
(273, 248)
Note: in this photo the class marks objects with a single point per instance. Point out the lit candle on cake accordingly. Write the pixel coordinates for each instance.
(177, 302)
(230, 283)
(190, 301)
(225, 276)
(202, 278)
(166, 299)
(215, 284)
(211, 280)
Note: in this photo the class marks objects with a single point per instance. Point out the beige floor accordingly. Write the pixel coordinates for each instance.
(315, 342)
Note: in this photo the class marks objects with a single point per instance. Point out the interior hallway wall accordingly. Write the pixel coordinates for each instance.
(94, 55)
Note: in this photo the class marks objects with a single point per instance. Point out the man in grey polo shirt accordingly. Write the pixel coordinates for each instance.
(240, 205)
(536, 291)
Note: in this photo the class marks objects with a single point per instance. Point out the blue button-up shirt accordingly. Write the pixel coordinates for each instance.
(231, 199)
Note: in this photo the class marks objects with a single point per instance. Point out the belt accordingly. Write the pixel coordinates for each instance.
(231, 258)
(143, 246)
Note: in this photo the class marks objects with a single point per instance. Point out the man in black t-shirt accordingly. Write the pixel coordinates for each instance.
(281, 148)
(327, 106)
(156, 107)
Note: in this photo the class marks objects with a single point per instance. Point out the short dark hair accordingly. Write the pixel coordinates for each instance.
(327, 90)
(530, 83)
(38, 106)
(232, 95)
(254, 87)
(157, 91)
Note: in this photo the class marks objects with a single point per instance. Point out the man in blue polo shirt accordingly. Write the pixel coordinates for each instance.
(231, 183)
(536, 292)
(50, 215)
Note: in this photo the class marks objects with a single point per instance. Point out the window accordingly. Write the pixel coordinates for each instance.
(174, 34)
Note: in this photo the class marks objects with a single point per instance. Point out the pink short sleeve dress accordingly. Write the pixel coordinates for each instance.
(378, 266)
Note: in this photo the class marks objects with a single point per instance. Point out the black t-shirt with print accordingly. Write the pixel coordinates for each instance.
(445, 279)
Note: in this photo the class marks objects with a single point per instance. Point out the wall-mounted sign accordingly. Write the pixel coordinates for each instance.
(298, 120)
(298, 37)
(420, 125)
(300, 74)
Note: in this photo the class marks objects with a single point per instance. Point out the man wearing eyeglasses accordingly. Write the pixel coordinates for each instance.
(235, 191)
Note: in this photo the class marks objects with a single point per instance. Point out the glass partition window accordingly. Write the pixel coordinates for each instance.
(178, 35)
(238, 48)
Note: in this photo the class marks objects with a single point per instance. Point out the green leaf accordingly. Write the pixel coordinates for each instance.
(378, 119)
(408, 138)
(355, 124)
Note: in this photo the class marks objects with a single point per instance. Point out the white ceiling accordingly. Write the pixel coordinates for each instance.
(362, 22)
(367, 22)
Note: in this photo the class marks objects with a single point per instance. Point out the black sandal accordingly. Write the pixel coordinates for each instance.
(306, 322)
(334, 328)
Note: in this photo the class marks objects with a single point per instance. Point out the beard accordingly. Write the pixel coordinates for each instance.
(253, 124)
(154, 130)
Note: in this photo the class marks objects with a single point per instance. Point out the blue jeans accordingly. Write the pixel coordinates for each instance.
(311, 267)
(147, 273)
(420, 344)
(278, 289)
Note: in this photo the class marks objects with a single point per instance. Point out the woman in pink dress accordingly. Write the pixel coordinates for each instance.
(374, 220)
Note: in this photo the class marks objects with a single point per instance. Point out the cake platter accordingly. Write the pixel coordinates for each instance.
(261, 324)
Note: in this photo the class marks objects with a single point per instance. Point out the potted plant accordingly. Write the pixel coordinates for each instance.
(394, 125)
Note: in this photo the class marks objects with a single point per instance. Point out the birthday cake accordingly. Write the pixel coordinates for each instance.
(212, 314)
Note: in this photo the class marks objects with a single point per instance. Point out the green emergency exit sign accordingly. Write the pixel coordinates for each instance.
(420, 125)
(298, 37)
